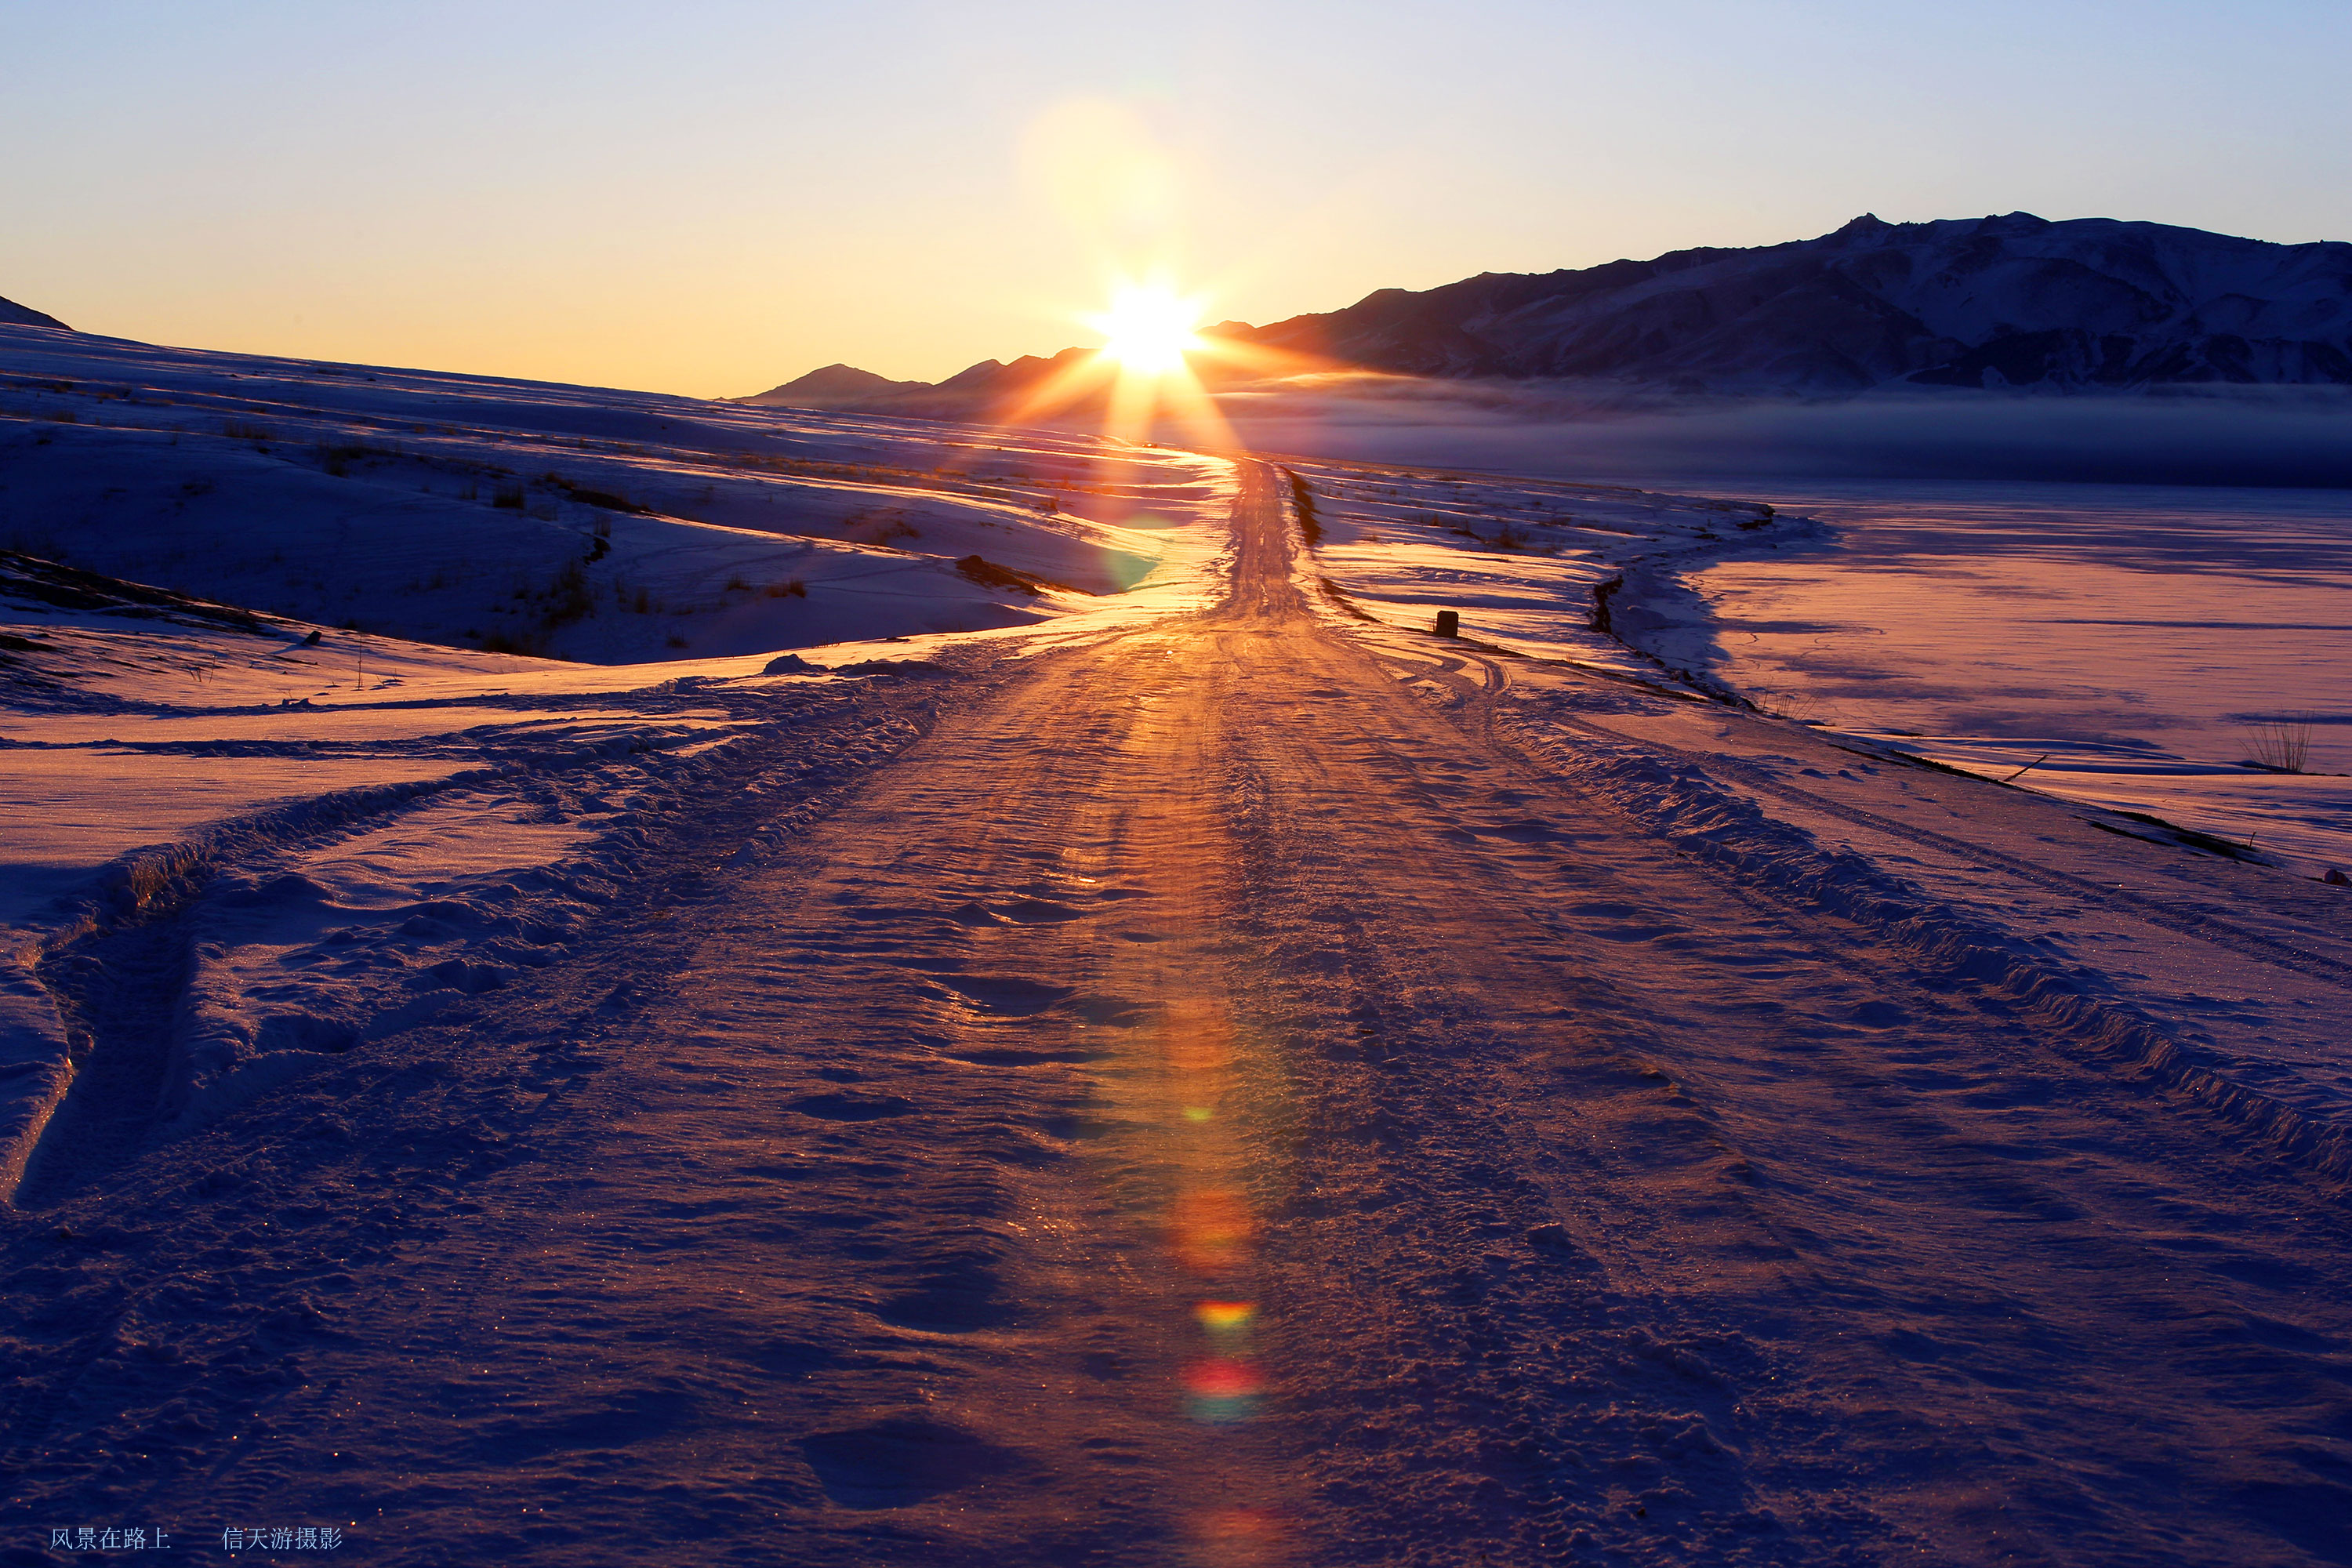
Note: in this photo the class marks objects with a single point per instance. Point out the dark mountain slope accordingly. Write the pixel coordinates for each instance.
(2011, 300)
(15, 315)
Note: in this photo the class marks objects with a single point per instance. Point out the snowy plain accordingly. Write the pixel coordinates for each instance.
(2150, 649)
(1203, 1073)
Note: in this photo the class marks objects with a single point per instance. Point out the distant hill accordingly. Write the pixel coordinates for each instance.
(2088, 304)
(971, 392)
(834, 386)
(15, 315)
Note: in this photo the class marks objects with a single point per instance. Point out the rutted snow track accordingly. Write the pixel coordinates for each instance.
(1206, 1102)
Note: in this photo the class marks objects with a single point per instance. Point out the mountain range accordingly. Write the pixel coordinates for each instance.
(2087, 304)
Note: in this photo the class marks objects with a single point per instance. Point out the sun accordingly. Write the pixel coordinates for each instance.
(1148, 328)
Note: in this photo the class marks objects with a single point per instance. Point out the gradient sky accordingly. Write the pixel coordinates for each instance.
(712, 198)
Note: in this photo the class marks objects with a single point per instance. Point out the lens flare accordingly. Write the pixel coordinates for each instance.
(1222, 1379)
(1222, 1392)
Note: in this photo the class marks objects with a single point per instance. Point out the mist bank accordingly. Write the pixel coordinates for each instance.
(2219, 436)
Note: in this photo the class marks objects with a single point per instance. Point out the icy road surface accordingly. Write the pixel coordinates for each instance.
(1253, 1087)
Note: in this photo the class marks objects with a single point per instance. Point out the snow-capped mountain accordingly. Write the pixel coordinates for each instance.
(1994, 301)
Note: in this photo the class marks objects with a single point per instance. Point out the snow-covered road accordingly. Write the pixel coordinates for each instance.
(1240, 1090)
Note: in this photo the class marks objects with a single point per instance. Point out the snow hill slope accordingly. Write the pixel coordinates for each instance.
(557, 520)
(2009, 301)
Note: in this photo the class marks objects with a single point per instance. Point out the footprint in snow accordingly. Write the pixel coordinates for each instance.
(901, 1461)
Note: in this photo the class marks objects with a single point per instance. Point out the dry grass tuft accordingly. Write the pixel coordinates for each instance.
(2282, 744)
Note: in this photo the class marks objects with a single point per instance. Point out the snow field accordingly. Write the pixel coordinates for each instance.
(1519, 562)
(2129, 647)
(1637, 1129)
(308, 927)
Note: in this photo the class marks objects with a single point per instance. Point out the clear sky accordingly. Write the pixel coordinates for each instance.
(712, 197)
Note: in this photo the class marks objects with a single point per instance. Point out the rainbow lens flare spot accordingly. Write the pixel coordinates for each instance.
(1226, 1317)
(1221, 1390)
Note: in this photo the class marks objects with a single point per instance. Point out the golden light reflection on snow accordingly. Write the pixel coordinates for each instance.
(1235, 1537)
(1213, 1230)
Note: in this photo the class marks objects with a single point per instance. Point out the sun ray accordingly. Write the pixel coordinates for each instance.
(1156, 371)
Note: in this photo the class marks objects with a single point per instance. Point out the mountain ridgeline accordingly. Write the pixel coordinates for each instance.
(2090, 304)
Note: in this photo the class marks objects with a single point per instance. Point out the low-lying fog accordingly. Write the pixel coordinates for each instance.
(2263, 437)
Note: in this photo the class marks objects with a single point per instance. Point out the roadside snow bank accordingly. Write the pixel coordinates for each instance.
(1686, 806)
(2300, 821)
